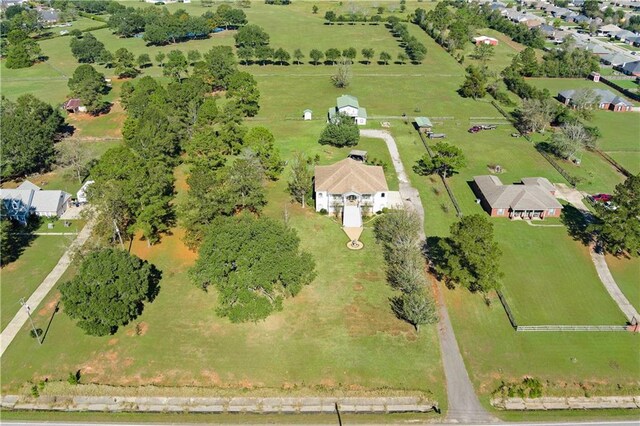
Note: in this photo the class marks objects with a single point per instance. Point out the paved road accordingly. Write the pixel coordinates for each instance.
(12, 329)
(575, 197)
(464, 406)
(70, 423)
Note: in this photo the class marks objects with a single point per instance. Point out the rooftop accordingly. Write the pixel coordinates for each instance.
(350, 176)
(531, 194)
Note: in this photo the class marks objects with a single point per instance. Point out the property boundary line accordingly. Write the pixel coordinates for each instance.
(444, 181)
(614, 163)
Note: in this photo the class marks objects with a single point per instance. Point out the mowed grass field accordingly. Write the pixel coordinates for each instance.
(620, 133)
(339, 333)
(20, 278)
(626, 272)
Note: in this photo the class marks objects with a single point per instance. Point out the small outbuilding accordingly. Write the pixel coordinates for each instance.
(81, 195)
(358, 155)
(74, 105)
(424, 124)
(307, 114)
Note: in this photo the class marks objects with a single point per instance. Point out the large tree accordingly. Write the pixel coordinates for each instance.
(176, 65)
(618, 227)
(125, 63)
(469, 256)
(251, 36)
(474, 85)
(254, 264)
(316, 56)
(244, 88)
(86, 49)
(342, 78)
(535, 115)
(446, 160)
(341, 131)
(571, 140)
(28, 127)
(300, 183)
(417, 308)
(22, 54)
(262, 142)
(109, 291)
(88, 85)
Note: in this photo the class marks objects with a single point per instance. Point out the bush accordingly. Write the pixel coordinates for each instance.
(74, 378)
(323, 212)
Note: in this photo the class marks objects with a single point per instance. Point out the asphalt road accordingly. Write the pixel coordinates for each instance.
(589, 423)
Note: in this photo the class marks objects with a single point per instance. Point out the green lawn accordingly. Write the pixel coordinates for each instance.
(21, 277)
(562, 288)
(626, 272)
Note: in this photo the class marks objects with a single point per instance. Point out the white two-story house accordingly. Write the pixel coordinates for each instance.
(352, 189)
(348, 105)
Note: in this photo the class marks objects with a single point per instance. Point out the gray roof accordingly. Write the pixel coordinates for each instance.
(533, 195)
(35, 200)
(362, 112)
(604, 96)
(633, 67)
(617, 58)
(48, 15)
(29, 185)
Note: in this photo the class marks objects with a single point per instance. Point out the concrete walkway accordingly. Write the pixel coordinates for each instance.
(575, 197)
(18, 321)
(464, 406)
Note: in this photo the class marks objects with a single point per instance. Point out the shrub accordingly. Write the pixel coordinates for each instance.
(323, 212)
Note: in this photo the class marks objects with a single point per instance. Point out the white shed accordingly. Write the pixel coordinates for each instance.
(306, 114)
(81, 195)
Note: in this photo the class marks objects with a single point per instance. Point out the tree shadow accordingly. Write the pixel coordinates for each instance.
(53, 314)
(19, 238)
(433, 253)
(577, 224)
(154, 283)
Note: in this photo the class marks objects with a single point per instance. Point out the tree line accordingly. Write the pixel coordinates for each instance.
(161, 27)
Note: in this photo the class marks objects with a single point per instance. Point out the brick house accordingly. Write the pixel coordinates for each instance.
(532, 198)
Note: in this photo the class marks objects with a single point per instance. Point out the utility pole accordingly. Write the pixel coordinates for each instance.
(33, 327)
(115, 225)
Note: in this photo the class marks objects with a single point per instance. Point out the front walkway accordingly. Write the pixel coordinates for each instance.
(18, 321)
(464, 406)
(575, 197)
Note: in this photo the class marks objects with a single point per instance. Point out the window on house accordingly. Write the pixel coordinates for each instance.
(500, 211)
(382, 195)
(552, 211)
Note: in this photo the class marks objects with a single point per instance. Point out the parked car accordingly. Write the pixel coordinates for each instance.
(610, 206)
(475, 129)
(488, 127)
(601, 198)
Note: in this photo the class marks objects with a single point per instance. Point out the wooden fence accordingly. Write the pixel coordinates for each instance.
(609, 82)
(444, 181)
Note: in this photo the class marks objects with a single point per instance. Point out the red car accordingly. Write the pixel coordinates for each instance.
(475, 129)
(601, 198)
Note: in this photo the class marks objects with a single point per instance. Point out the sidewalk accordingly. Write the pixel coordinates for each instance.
(14, 327)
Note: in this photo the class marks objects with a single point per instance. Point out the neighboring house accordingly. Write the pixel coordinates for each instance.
(595, 48)
(48, 16)
(624, 35)
(307, 114)
(532, 198)
(28, 199)
(81, 195)
(74, 105)
(348, 105)
(631, 68)
(424, 124)
(548, 30)
(617, 59)
(349, 187)
(4, 4)
(605, 100)
(581, 18)
(607, 30)
(485, 40)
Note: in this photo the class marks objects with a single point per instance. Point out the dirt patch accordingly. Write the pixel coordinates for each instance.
(170, 245)
(328, 383)
(113, 341)
(358, 287)
(47, 310)
(368, 276)
(363, 319)
(180, 182)
(211, 377)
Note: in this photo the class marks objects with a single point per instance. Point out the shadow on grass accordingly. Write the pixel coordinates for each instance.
(53, 314)
(19, 237)
(577, 224)
(432, 251)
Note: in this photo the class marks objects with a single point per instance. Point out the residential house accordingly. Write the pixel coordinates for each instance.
(485, 40)
(28, 199)
(348, 105)
(595, 48)
(351, 188)
(605, 100)
(624, 35)
(631, 68)
(617, 59)
(549, 31)
(4, 4)
(532, 198)
(48, 16)
(606, 30)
